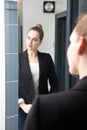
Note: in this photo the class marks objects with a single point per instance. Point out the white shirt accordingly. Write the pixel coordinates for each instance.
(35, 74)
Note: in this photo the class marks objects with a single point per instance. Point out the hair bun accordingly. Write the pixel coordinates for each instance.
(39, 26)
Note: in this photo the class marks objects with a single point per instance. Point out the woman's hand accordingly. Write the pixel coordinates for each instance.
(25, 107)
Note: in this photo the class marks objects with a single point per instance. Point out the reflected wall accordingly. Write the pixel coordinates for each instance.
(11, 65)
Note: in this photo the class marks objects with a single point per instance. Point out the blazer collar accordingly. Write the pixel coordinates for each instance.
(81, 84)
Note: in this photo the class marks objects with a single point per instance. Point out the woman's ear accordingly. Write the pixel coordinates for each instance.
(82, 46)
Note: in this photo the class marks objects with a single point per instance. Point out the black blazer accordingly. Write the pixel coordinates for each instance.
(47, 72)
(59, 111)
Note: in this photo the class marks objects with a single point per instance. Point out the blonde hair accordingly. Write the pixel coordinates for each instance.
(81, 25)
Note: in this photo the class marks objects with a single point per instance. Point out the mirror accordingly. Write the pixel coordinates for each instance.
(30, 13)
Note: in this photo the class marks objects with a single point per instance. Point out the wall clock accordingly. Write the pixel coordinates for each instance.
(49, 6)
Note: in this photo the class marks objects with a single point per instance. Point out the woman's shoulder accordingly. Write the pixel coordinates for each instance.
(45, 54)
(23, 53)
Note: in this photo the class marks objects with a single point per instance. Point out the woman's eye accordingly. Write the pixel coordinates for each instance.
(28, 37)
(35, 39)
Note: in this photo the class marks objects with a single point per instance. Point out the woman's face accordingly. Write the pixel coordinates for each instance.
(32, 40)
(72, 54)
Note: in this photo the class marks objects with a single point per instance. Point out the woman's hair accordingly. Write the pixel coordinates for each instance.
(81, 25)
(39, 29)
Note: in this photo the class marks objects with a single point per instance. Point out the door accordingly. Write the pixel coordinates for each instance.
(60, 45)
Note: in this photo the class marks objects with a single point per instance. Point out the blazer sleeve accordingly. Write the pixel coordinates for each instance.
(20, 77)
(53, 79)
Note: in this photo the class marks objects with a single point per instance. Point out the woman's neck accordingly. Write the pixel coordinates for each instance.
(32, 54)
(32, 57)
(83, 68)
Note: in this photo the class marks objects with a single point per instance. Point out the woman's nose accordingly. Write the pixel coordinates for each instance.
(30, 41)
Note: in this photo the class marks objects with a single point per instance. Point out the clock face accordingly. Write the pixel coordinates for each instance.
(49, 6)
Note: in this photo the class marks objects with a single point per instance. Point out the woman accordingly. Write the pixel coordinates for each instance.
(35, 69)
(65, 110)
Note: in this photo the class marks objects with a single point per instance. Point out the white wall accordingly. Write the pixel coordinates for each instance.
(33, 14)
(61, 5)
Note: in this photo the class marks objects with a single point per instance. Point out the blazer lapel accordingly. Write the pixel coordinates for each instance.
(27, 67)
